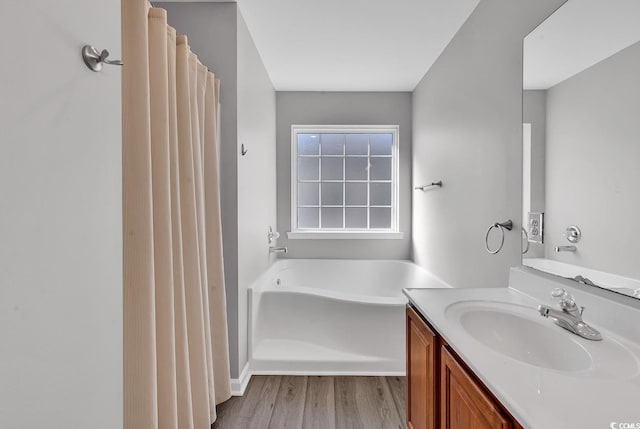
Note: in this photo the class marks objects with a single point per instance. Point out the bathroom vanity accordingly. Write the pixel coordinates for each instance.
(486, 358)
(440, 387)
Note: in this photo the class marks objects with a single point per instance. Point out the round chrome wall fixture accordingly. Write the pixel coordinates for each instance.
(508, 225)
(573, 234)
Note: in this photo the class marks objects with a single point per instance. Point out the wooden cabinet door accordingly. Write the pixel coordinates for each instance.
(463, 402)
(422, 388)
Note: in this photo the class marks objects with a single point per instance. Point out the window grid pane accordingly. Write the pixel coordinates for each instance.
(368, 180)
(350, 206)
(345, 156)
(320, 194)
(334, 154)
(344, 185)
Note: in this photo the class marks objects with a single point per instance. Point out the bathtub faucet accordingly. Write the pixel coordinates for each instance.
(277, 250)
(559, 249)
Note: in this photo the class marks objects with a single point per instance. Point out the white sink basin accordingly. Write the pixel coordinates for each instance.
(520, 333)
(508, 329)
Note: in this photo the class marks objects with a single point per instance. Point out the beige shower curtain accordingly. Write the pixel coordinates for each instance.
(176, 364)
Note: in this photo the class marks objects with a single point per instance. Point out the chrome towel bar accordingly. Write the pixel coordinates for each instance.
(431, 185)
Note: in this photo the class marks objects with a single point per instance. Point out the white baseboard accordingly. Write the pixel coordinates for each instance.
(239, 385)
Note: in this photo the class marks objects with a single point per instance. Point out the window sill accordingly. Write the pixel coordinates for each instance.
(345, 235)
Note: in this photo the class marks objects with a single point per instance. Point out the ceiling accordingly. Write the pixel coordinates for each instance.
(580, 34)
(352, 45)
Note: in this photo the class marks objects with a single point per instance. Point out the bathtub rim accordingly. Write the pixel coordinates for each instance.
(339, 296)
(284, 263)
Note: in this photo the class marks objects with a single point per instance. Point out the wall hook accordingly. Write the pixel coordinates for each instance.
(243, 151)
(94, 59)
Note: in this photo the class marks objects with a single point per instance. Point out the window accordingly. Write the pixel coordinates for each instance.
(344, 182)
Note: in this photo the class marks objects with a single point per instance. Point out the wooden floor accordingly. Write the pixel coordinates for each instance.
(288, 402)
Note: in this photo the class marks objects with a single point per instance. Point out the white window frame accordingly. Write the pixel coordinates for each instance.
(394, 231)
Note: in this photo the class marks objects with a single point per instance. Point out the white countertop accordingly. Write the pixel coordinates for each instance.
(542, 398)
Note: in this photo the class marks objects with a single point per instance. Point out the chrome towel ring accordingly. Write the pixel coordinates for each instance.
(508, 225)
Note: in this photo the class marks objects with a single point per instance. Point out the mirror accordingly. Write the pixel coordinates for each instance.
(581, 144)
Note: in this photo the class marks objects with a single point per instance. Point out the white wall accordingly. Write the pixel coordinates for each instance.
(344, 108)
(592, 175)
(60, 217)
(467, 131)
(256, 173)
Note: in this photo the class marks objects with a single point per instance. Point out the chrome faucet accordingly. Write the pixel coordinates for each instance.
(569, 316)
(277, 250)
(566, 249)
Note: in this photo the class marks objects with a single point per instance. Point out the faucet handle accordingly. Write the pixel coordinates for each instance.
(566, 300)
(559, 293)
(272, 235)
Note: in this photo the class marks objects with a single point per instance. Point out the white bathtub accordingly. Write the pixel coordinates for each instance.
(332, 316)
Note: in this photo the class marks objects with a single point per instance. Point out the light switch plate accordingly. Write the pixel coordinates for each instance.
(535, 227)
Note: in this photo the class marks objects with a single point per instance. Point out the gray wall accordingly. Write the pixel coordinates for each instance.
(593, 151)
(467, 119)
(343, 108)
(256, 173)
(534, 112)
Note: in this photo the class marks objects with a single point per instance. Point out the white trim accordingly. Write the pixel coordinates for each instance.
(394, 231)
(239, 385)
(345, 235)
